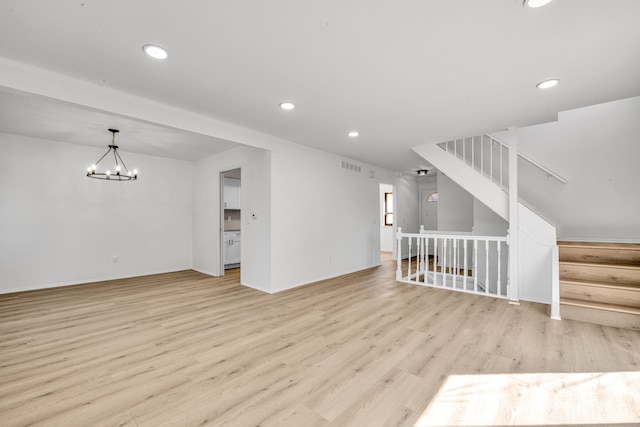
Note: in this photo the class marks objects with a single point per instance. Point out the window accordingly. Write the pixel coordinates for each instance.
(388, 208)
(432, 197)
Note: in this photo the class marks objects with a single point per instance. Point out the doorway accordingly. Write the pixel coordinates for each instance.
(230, 220)
(387, 220)
(429, 209)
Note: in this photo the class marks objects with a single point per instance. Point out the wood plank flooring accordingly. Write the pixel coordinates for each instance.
(187, 349)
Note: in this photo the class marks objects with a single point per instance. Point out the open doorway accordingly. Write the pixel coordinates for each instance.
(387, 221)
(230, 220)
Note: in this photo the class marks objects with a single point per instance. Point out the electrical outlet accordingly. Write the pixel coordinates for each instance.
(115, 259)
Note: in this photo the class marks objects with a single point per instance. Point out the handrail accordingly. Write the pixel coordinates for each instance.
(453, 236)
(530, 160)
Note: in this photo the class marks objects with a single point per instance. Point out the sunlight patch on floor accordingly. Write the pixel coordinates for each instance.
(536, 400)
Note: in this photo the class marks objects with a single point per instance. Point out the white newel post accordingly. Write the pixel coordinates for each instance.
(399, 257)
(514, 228)
(555, 283)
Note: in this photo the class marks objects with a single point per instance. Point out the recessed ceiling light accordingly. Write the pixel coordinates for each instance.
(353, 133)
(155, 51)
(287, 106)
(536, 3)
(547, 84)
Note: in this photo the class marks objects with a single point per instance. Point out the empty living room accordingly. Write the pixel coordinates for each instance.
(337, 213)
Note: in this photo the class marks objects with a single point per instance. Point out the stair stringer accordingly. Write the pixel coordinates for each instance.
(537, 236)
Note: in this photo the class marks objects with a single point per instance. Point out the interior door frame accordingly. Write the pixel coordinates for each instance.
(380, 220)
(221, 217)
(221, 241)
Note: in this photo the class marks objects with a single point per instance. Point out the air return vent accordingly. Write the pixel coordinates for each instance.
(351, 167)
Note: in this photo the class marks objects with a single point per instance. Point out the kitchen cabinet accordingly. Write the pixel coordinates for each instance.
(231, 247)
(232, 194)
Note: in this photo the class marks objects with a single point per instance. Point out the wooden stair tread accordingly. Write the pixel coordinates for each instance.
(625, 246)
(601, 264)
(600, 283)
(600, 306)
(607, 285)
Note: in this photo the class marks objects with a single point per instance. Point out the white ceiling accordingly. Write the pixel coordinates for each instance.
(403, 73)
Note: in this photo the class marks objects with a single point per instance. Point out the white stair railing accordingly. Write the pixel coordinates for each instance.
(489, 156)
(535, 237)
(460, 262)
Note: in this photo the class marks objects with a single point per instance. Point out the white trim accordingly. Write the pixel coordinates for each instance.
(536, 300)
(88, 281)
(327, 277)
(256, 288)
(203, 271)
(555, 283)
(596, 240)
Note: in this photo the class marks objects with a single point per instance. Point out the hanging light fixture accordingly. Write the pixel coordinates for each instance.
(119, 171)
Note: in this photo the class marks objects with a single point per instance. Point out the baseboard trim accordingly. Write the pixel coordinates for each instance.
(203, 271)
(85, 281)
(324, 278)
(536, 300)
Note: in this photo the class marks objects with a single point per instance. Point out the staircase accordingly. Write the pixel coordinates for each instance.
(600, 283)
(480, 165)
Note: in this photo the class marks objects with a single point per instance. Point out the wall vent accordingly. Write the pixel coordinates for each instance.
(351, 167)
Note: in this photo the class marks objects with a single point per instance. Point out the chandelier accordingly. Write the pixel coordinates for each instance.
(119, 171)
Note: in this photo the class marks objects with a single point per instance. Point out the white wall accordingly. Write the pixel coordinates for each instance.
(537, 239)
(256, 199)
(70, 226)
(306, 228)
(486, 222)
(426, 184)
(406, 217)
(386, 231)
(455, 206)
(59, 227)
(597, 150)
(326, 218)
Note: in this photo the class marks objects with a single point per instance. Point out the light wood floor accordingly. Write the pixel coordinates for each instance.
(186, 349)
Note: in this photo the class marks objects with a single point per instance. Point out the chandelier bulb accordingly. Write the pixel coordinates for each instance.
(135, 171)
(93, 167)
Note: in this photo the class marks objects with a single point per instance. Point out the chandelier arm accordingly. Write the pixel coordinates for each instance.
(115, 156)
(121, 161)
(103, 156)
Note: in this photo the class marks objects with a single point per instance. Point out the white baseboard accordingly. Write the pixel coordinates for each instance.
(537, 300)
(325, 278)
(83, 281)
(208, 273)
